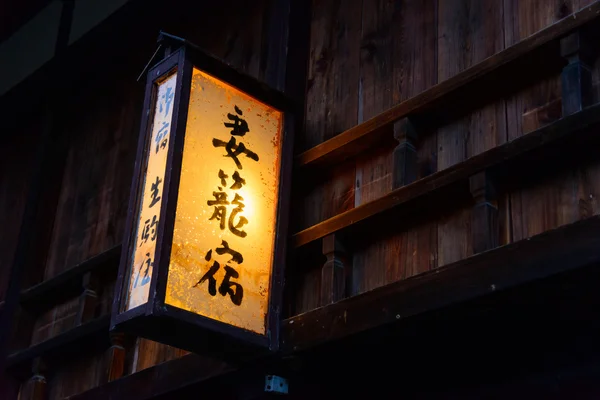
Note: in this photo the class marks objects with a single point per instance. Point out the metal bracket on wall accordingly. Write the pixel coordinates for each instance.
(276, 384)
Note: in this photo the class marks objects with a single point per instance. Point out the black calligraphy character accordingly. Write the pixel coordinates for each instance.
(154, 192)
(160, 135)
(210, 275)
(148, 226)
(163, 144)
(235, 229)
(239, 127)
(220, 198)
(146, 278)
(239, 181)
(228, 287)
(219, 203)
(235, 256)
(223, 176)
(234, 150)
(168, 98)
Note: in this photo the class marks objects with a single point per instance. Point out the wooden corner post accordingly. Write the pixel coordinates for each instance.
(576, 77)
(484, 216)
(333, 271)
(405, 154)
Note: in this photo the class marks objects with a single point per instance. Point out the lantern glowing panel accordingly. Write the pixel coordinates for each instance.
(143, 254)
(221, 257)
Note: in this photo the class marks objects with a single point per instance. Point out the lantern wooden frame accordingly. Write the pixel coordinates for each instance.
(155, 319)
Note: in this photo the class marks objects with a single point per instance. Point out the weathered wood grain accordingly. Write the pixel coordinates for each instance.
(331, 102)
(76, 375)
(469, 31)
(406, 63)
(149, 353)
(65, 344)
(357, 138)
(549, 204)
(68, 284)
(160, 379)
(558, 250)
(90, 211)
(499, 157)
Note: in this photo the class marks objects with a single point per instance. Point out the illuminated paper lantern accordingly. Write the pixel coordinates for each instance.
(204, 251)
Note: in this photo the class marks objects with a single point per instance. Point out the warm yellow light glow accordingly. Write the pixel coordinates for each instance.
(208, 174)
(142, 259)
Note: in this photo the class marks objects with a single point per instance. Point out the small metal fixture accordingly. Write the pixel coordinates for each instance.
(276, 384)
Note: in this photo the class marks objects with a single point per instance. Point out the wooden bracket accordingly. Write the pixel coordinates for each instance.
(35, 388)
(405, 154)
(333, 271)
(115, 357)
(576, 76)
(484, 216)
(87, 300)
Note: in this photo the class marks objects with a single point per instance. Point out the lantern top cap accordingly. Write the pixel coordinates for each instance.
(215, 65)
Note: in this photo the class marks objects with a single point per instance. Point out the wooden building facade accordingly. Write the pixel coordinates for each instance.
(444, 220)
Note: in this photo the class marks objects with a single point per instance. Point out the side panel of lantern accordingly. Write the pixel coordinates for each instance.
(147, 222)
(224, 232)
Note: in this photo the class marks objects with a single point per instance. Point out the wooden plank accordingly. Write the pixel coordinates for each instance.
(555, 251)
(499, 157)
(398, 62)
(331, 108)
(373, 176)
(469, 31)
(415, 70)
(550, 203)
(68, 283)
(65, 343)
(76, 375)
(375, 95)
(331, 101)
(159, 379)
(493, 68)
(149, 353)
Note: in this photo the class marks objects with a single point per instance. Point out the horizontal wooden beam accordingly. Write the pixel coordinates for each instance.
(64, 344)
(455, 91)
(68, 284)
(159, 379)
(565, 248)
(502, 158)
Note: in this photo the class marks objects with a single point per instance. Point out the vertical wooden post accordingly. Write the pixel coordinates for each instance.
(35, 387)
(484, 216)
(87, 300)
(115, 357)
(332, 272)
(405, 154)
(576, 77)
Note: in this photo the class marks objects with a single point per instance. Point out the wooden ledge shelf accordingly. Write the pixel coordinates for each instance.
(162, 378)
(455, 91)
(64, 344)
(566, 248)
(503, 159)
(67, 284)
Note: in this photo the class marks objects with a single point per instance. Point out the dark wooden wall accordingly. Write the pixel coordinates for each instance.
(15, 174)
(366, 56)
(101, 124)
